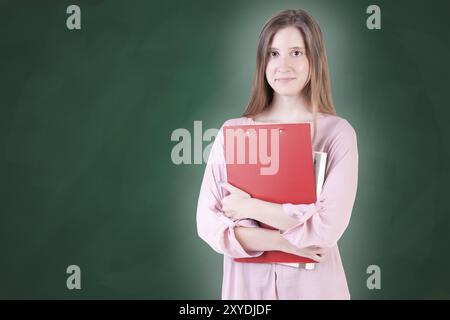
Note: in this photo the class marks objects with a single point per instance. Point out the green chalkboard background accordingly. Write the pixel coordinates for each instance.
(85, 150)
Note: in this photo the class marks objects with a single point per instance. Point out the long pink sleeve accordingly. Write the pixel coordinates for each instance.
(216, 229)
(320, 223)
(324, 222)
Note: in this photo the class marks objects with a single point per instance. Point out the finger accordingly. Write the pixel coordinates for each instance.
(225, 200)
(224, 206)
(312, 249)
(320, 257)
(317, 258)
(229, 214)
(231, 197)
(233, 189)
(229, 187)
(309, 253)
(317, 249)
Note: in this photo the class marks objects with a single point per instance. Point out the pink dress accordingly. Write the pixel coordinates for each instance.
(321, 223)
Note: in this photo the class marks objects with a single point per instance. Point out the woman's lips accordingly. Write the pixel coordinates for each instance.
(284, 80)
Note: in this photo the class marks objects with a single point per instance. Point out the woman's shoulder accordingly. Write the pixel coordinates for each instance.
(232, 122)
(337, 132)
(236, 121)
(337, 125)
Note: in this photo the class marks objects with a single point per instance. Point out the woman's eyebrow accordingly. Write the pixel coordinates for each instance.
(271, 48)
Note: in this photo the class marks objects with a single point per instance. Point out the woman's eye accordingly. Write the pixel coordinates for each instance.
(296, 53)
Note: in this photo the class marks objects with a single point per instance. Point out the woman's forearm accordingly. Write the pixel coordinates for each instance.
(261, 239)
(272, 214)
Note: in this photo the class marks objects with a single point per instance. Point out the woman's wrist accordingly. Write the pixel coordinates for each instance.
(257, 239)
(254, 209)
(271, 214)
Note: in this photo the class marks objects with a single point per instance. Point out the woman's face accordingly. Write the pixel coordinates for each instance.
(287, 67)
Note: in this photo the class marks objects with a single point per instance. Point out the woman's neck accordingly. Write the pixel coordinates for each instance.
(286, 109)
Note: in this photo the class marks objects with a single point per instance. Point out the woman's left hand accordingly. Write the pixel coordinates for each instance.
(238, 204)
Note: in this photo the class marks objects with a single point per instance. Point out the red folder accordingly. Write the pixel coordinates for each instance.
(293, 181)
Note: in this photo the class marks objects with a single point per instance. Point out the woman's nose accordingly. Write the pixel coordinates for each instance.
(284, 62)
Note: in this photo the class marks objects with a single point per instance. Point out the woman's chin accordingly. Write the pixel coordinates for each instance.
(285, 92)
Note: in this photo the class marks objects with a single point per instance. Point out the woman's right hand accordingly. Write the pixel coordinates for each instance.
(315, 253)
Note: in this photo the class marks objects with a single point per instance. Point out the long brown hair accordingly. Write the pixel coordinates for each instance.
(317, 91)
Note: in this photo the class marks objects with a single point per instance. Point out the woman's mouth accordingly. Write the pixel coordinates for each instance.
(284, 80)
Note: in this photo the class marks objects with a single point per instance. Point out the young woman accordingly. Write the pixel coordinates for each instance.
(291, 85)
